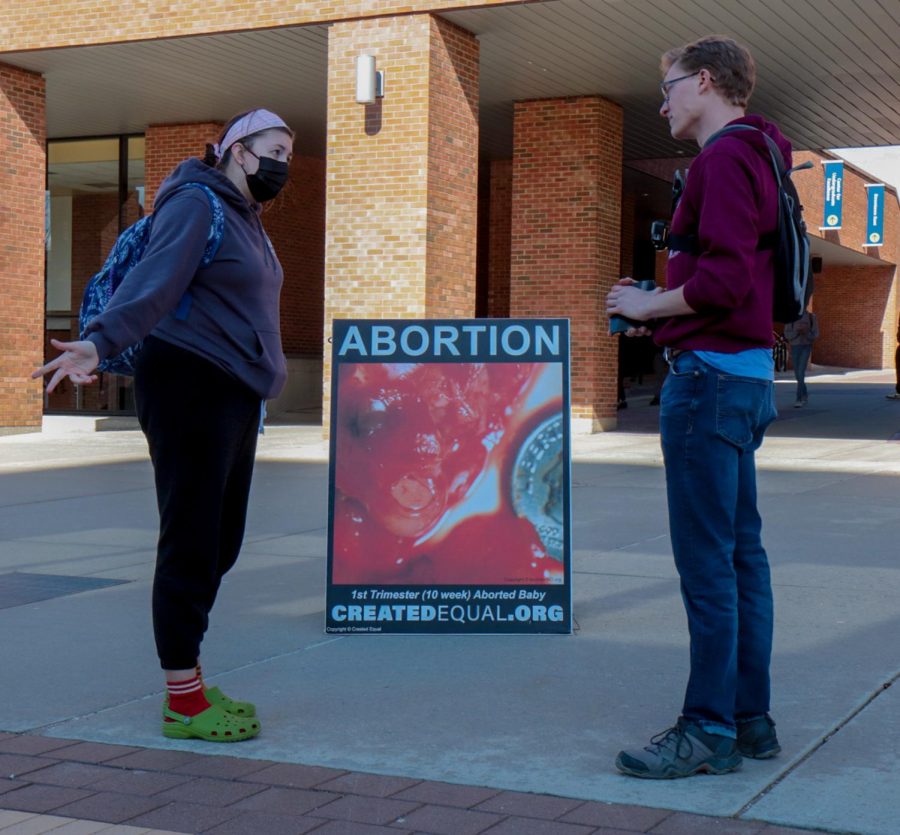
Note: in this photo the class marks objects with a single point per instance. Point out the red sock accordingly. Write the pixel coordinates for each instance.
(186, 696)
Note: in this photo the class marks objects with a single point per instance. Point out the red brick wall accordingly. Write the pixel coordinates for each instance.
(167, 145)
(566, 226)
(499, 243)
(661, 261)
(855, 308)
(22, 175)
(810, 186)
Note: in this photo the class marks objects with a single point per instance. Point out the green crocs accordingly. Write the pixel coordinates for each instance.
(213, 724)
(216, 697)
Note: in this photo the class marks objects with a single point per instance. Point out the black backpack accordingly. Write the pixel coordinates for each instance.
(793, 261)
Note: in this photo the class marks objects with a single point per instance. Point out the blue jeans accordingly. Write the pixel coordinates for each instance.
(711, 423)
(800, 358)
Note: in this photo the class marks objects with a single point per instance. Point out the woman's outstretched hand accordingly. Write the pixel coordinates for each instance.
(77, 361)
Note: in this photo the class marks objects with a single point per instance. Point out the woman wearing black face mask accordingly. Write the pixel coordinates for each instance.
(211, 356)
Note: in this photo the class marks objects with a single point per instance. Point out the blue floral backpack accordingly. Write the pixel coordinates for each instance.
(126, 253)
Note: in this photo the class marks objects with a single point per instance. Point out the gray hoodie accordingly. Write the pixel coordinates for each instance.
(233, 320)
(804, 331)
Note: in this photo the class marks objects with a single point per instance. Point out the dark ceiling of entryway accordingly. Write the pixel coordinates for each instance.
(829, 70)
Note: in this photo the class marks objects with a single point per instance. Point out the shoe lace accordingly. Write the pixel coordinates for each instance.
(671, 739)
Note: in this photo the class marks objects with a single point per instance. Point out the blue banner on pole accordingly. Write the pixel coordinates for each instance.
(875, 215)
(834, 194)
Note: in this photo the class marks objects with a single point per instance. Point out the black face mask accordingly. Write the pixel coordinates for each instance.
(269, 178)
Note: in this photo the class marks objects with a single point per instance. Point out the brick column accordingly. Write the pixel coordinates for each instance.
(401, 183)
(566, 222)
(23, 167)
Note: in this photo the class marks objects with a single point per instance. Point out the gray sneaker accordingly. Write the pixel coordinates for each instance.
(680, 752)
(756, 738)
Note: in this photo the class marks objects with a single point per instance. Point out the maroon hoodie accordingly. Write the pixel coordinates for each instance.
(729, 202)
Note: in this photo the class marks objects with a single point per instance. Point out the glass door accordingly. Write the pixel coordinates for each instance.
(95, 188)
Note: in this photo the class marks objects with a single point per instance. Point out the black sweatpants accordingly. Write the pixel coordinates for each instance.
(897, 367)
(201, 426)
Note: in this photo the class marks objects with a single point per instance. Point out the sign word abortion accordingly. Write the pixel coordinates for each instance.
(463, 341)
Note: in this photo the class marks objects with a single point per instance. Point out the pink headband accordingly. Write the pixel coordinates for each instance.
(253, 122)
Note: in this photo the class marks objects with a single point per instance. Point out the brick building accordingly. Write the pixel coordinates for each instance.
(511, 168)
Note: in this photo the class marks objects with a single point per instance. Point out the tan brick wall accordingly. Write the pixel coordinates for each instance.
(566, 225)
(295, 221)
(401, 178)
(500, 231)
(53, 23)
(23, 167)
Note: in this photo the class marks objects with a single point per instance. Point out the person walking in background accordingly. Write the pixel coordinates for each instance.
(715, 319)
(895, 394)
(801, 335)
(201, 379)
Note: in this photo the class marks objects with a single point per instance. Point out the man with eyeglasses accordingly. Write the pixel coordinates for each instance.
(715, 321)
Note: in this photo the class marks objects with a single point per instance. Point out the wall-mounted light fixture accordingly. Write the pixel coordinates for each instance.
(369, 81)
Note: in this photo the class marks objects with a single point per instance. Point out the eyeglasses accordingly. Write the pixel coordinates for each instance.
(667, 85)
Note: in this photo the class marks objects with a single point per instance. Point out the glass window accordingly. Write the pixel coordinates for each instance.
(95, 188)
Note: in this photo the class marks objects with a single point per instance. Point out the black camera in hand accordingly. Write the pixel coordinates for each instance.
(619, 324)
(659, 234)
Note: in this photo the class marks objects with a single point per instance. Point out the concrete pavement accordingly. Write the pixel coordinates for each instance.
(541, 714)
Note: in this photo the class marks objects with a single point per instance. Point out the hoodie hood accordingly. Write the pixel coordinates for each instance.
(759, 142)
(196, 171)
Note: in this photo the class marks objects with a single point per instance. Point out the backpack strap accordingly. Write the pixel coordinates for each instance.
(690, 243)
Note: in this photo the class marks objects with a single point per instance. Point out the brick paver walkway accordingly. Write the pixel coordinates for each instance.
(63, 784)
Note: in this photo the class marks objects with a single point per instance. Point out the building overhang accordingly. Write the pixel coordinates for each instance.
(829, 81)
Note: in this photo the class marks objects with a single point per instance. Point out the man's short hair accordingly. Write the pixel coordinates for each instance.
(731, 65)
